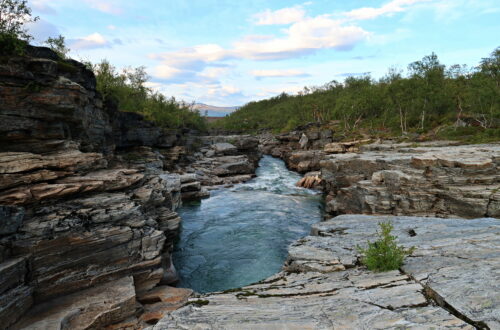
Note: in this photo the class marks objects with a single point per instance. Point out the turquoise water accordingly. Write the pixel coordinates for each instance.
(240, 235)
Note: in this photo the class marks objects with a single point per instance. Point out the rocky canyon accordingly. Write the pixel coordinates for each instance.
(88, 221)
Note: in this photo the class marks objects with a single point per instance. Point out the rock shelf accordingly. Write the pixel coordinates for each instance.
(451, 281)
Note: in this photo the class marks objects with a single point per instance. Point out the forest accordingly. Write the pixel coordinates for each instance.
(127, 89)
(456, 102)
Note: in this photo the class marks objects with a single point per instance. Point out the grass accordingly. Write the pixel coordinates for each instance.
(384, 254)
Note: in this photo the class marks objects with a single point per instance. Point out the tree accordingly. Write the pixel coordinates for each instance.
(58, 45)
(491, 66)
(14, 14)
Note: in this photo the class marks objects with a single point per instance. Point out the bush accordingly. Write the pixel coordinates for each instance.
(11, 45)
(384, 254)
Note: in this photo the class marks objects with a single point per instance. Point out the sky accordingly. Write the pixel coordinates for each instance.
(230, 52)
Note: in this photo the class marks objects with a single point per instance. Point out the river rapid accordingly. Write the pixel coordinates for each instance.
(240, 235)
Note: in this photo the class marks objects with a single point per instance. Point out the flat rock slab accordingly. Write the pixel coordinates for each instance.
(452, 281)
(93, 308)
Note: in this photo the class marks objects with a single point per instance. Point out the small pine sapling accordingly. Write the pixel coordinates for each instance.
(384, 254)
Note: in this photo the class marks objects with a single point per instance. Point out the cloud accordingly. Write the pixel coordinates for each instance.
(187, 64)
(271, 91)
(224, 91)
(105, 6)
(353, 74)
(41, 6)
(392, 7)
(91, 41)
(166, 72)
(362, 57)
(278, 73)
(301, 38)
(41, 30)
(280, 17)
(304, 37)
(214, 72)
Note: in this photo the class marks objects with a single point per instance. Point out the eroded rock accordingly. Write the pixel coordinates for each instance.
(324, 287)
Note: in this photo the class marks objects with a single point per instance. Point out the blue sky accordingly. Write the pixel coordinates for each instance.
(226, 53)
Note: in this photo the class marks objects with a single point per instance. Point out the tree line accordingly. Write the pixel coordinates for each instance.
(125, 89)
(128, 90)
(450, 102)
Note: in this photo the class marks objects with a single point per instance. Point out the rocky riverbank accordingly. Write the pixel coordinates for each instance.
(451, 281)
(439, 178)
(88, 197)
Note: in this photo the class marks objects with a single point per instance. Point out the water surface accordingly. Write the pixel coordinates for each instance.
(240, 235)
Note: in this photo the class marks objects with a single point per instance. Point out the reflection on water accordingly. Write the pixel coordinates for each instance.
(240, 235)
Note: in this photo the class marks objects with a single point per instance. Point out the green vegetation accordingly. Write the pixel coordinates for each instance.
(384, 254)
(199, 302)
(430, 99)
(128, 90)
(14, 38)
(58, 45)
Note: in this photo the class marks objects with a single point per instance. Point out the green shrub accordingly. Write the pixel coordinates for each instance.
(11, 45)
(384, 254)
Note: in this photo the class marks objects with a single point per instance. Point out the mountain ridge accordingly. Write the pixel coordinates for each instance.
(214, 111)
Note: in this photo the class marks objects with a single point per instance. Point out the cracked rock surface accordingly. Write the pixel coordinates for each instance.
(451, 281)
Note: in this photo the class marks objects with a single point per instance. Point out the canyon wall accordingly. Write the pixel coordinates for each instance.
(87, 196)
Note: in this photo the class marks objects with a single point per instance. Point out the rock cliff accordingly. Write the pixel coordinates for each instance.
(87, 202)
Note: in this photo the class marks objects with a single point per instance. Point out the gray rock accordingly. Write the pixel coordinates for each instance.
(427, 181)
(11, 218)
(191, 186)
(304, 141)
(454, 268)
(94, 308)
(224, 148)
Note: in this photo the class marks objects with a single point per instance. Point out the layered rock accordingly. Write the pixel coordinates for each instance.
(433, 181)
(225, 160)
(448, 282)
(84, 198)
(439, 178)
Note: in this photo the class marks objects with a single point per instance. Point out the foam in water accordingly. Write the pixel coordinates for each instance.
(240, 235)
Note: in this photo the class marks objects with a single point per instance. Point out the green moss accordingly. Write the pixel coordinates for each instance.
(131, 157)
(231, 290)
(199, 302)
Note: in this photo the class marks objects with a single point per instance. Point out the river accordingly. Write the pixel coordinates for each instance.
(240, 235)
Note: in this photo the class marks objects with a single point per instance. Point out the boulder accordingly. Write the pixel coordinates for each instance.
(224, 149)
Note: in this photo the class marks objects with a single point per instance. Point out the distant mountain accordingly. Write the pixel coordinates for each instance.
(212, 110)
